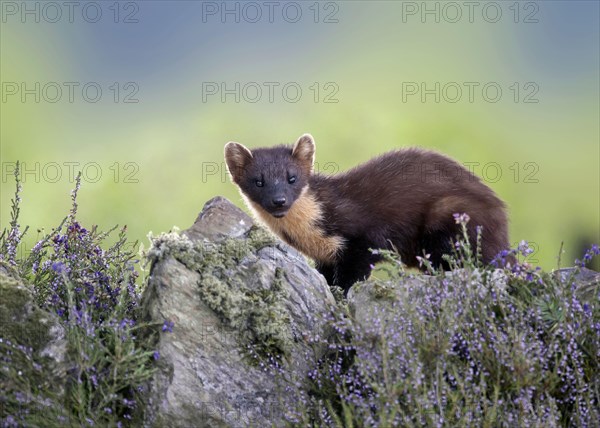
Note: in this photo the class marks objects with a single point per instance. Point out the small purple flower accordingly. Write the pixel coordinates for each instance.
(156, 355)
(588, 256)
(10, 421)
(586, 309)
(461, 218)
(524, 248)
(58, 267)
(168, 326)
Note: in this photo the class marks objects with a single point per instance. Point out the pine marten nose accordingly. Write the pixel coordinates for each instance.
(279, 201)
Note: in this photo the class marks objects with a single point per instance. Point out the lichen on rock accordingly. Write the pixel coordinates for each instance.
(252, 311)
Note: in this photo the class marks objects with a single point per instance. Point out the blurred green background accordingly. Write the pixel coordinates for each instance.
(361, 68)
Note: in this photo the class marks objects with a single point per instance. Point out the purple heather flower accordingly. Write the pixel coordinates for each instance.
(586, 309)
(524, 249)
(58, 267)
(588, 256)
(461, 218)
(10, 421)
(168, 326)
(156, 355)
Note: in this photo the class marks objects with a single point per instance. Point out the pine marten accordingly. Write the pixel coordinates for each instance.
(402, 200)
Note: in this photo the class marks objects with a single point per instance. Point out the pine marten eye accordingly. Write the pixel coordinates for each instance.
(292, 179)
(259, 183)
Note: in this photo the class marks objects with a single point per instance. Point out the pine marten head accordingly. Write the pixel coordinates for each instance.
(274, 177)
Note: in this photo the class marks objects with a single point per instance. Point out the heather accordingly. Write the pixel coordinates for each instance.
(483, 346)
(500, 346)
(90, 284)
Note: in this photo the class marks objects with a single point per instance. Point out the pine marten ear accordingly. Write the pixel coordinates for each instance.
(304, 150)
(237, 157)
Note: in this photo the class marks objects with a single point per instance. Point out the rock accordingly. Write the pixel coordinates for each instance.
(586, 280)
(219, 220)
(33, 351)
(371, 299)
(376, 307)
(235, 298)
(381, 301)
(580, 275)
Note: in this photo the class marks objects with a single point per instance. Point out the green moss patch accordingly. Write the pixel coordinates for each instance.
(258, 314)
(29, 390)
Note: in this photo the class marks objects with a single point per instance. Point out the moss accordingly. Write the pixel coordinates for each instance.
(8, 270)
(167, 243)
(21, 321)
(338, 294)
(384, 290)
(259, 238)
(258, 314)
(29, 392)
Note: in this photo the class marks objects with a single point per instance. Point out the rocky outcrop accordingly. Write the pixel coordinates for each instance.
(240, 318)
(231, 300)
(375, 305)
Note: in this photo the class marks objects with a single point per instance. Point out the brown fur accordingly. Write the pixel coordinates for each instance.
(304, 150)
(299, 228)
